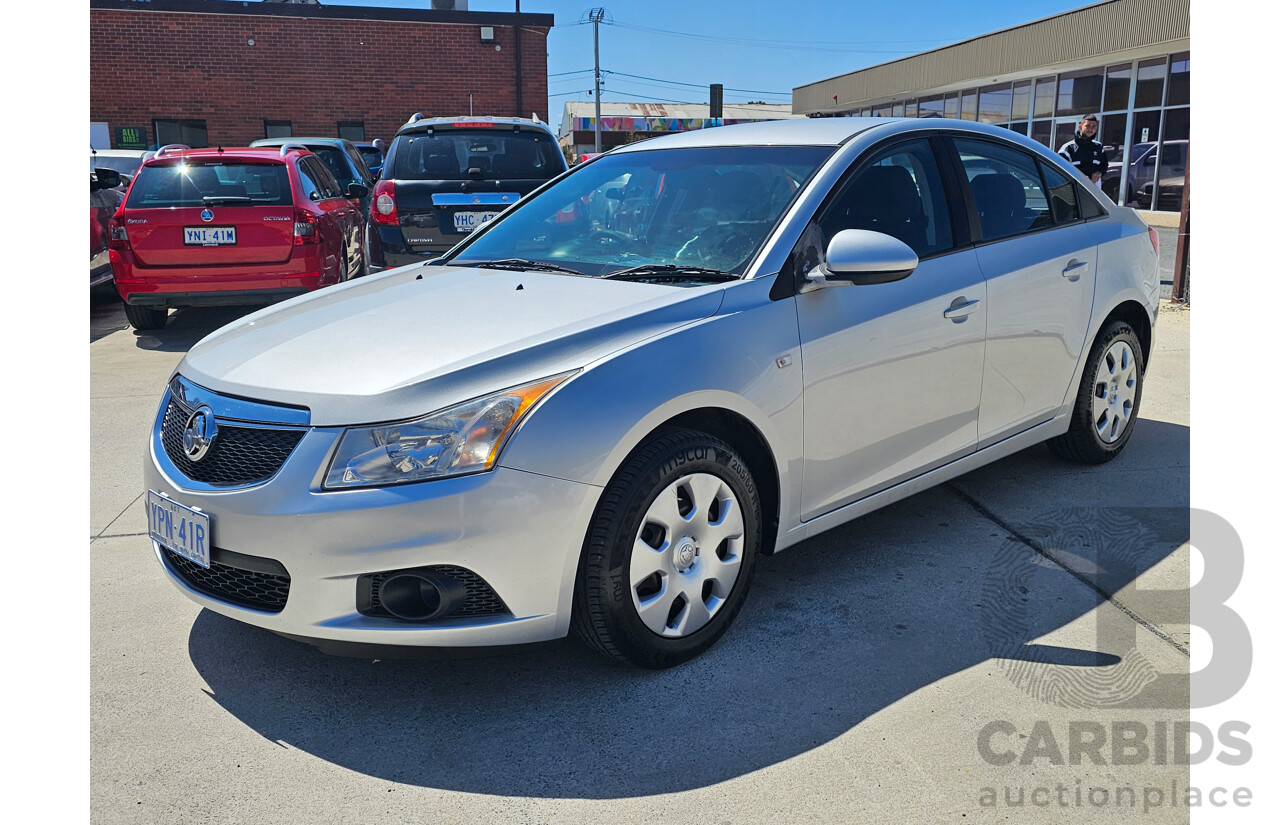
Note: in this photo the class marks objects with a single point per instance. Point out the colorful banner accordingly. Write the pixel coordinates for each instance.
(657, 124)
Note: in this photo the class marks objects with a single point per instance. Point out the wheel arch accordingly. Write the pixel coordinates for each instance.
(1135, 315)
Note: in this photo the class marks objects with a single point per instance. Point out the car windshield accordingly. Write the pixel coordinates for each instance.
(371, 156)
(451, 154)
(123, 165)
(709, 208)
(197, 184)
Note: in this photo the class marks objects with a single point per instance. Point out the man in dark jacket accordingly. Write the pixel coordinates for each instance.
(1084, 152)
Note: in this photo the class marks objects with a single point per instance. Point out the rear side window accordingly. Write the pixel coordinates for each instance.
(318, 176)
(1062, 195)
(337, 162)
(450, 154)
(198, 184)
(1006, 188)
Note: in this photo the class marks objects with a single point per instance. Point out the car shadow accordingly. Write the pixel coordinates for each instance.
(834, 630)
(187, 326)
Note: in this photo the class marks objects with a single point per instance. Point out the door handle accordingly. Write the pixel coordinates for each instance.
(960, 309)
(1075, 269)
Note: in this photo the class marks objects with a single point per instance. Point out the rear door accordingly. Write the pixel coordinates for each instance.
(451, 180)
(1039, 259)
(215, 212)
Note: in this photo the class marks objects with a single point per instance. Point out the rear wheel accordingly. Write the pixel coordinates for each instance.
(146, 318)
(1107, 403)
(670, 553)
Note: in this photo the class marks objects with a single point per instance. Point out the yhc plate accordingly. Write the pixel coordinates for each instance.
(467, 221)
(183, 530)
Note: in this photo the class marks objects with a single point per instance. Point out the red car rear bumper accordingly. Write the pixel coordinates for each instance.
(216, 285)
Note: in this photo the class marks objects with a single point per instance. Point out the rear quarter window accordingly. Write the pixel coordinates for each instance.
(451, 154)
(195, 184)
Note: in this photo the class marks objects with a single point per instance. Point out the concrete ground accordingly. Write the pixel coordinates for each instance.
(881, 672)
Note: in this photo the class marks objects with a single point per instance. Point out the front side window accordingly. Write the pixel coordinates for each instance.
(319, 172)
(898, 192)
(707, 207)
(337, 162)
(307, 177)
(186, 183)
(1006, 188)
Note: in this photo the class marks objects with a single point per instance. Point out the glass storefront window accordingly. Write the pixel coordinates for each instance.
(1021, 101)
(1080, 93)
(951, 106)
(969, 105)
(1179, 79)
(1111, 131)
(1063, 134)
(1044, 97)
(1150, 83)
(1020, 128)
(910, 108)
(1042, 132)
(931, 106)
(881, 111)
(899, 109)
(1116, 96)
(994, 103)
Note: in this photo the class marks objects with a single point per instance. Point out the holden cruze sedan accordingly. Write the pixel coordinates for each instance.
(598, 410)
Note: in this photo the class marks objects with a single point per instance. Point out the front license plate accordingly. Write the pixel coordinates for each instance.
(467, 221)
(183, 530)
(209, 235)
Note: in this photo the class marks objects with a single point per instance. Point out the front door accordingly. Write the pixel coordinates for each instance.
(892, 372)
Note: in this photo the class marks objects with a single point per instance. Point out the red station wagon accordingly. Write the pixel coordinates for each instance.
(214, 227)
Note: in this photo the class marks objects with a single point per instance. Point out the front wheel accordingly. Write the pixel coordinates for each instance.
(1107, 404)
(670, 552)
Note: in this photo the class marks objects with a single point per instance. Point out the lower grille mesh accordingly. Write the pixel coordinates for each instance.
(236, 585)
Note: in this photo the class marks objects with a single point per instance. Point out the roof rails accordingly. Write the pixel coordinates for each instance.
(171, 147)
(416, 117)
(291, 147)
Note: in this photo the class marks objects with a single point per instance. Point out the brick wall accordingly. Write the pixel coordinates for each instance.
(314, 73)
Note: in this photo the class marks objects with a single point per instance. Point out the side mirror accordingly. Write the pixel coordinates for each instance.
(355, 191)
(107, 178)
(863, 258)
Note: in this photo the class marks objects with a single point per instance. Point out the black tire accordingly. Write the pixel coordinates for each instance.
(146, 318)
(1083, 443)
(605, 612)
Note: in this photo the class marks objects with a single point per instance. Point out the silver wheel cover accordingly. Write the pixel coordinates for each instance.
(686, 555)
(1115, 390)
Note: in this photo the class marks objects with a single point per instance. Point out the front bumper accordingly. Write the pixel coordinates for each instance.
(520, 532)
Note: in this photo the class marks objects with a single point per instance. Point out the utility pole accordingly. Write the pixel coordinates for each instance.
(519, 67)
(595, 16)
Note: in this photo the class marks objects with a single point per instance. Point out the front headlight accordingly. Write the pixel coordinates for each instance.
(462, 439)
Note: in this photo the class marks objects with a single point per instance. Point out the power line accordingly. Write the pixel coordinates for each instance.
(694, 85)
(579, 71)
(773, 44)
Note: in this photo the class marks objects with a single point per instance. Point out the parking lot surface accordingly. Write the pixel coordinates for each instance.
(881, 672)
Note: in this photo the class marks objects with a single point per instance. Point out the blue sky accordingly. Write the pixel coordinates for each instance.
(766, 48)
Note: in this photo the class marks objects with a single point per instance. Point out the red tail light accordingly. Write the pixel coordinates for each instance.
(1155, 239)
(118, 235)
(304, 228)
(384, 203)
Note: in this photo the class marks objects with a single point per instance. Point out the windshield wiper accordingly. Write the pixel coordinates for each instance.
(519, 263)
(671, 272)
(211, 199)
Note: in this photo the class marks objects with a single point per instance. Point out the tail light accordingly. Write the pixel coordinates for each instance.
(119, 236)
(384, 203)
(304, 228)
(1155, 239)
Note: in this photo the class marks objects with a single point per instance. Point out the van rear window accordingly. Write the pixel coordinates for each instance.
(451, 154)
(202, 184)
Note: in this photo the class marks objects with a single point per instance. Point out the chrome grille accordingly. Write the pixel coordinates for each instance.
(239, 455)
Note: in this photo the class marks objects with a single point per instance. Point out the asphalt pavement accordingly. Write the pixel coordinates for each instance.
(921, 664)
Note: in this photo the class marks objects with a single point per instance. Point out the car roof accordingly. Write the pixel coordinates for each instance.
(412, 125)
(243, 153)
(326, 141)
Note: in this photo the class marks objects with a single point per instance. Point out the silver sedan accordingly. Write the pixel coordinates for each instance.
(597, 411)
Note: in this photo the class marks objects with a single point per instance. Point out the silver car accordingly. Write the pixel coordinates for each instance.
(602, 407)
